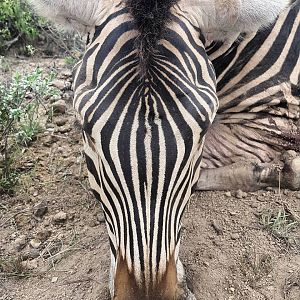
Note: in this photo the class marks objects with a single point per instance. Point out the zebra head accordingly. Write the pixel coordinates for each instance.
(145, 92)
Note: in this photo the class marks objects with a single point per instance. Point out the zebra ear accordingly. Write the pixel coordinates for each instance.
(71, 15)
(225, 18)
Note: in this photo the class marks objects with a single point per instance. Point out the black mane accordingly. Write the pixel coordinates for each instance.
(151, 18)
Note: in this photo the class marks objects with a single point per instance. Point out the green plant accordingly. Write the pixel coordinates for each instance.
(20, 101)
(70, 61)
(281, 224)
(4, 64)
(16, 22)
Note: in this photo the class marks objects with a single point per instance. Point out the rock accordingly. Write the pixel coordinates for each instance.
(217, 227)
(298, 195)
(286, 192)
(35, 243)
(43, 235)
(30, 264)
(59, 107)
(60, 121)
(65, 128)
(40, 209)
(66, 73)
(68, 96)
(50, 125)
(54, 279)
(20, 243)
(60, 217)
(46, 222)
(206, 264)
(101, 218)
(58, 83)
(240, 194)
(93, 223)
(30, 253)
(235, 236)
(228, 194)
(49, 140)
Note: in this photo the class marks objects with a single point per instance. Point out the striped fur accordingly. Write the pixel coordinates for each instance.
(259, 93)
(143, 139)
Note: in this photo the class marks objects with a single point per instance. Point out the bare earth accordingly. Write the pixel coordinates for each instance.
(227, 252)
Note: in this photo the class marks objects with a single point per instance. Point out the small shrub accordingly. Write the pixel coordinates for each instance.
(281, 224)
(20, 101)
(16, 22)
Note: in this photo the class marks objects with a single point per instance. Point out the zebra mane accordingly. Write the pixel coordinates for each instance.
(151, 18)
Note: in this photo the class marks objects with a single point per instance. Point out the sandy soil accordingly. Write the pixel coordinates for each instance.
(53, 242)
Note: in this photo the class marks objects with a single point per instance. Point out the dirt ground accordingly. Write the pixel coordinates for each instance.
(53, 241)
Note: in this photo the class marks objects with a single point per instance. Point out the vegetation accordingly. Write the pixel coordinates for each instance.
(20, 102)
(281, 224)
(16, 23)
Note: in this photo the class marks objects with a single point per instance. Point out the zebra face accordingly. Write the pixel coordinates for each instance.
(145, 92)
(143, 136)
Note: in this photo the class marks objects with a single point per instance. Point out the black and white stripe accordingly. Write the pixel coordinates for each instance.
(144, 135)
(258, 79)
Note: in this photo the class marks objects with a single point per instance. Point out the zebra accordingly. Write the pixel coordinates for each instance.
(258, 79)
(145, 92)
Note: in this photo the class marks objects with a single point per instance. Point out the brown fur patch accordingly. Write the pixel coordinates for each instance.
(127, 288)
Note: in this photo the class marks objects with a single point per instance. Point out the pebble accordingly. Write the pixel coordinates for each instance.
(61, 121)
(240, 194)
(58, 83)
(217, 227)
(65, 128)
(68, 96)
(235, 236)
(50, 125)
(40, 209)
(30, 264)
(298, 195)
(59, 107)
(20, 243)
(66, 73)
(93, 223)
(30, 254)
(35, 243)
(60, 217)
(49, 140)
(43, 235)
(206, 264)
(54, 279)
(228, 194)
(101, 218)
(54, 98)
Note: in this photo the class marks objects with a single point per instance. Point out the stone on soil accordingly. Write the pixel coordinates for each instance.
(35, 243)
(58, 83)
(60, 217)
(30, 264)
(228, 194)
(30, 253)
(43, 235)
(59, 107)
(20, 243)
(240, 194)
(40, 209)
